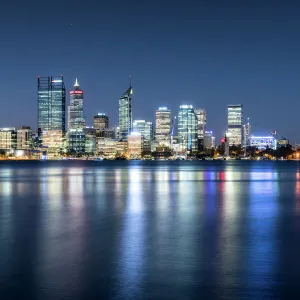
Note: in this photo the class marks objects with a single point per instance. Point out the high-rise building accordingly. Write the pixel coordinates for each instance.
(125, 114)
(8, 138)
(76, 117)
(101, 123)
(187, 128)
(163, 127)
(235, 124)
(246, 133)
(51, 109)
(76, 121)
(24, 138)
(146, 131)
(201, 126)
(209, 140)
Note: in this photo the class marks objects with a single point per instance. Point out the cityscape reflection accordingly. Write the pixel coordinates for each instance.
(148, 230)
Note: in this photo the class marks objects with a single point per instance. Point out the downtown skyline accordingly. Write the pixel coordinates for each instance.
(200, 54)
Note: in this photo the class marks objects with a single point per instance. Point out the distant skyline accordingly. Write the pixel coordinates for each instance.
(205, 53)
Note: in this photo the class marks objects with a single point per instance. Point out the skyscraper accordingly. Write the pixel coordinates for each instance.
(146, 131)
(76, 117)
(51, 109)
(201, 126)
(125, 114)
(246, 133)
(235, 123)
(76, 120)
(187, 128)
(163, 126)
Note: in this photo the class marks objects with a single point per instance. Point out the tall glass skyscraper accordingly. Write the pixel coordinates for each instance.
(201, 126)
(76, 120)
(163, 126)
(235, 124)
(51, 103)
(187, 128)
(52, 110)
(125, 114)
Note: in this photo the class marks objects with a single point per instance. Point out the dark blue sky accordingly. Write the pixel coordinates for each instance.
(205, 53)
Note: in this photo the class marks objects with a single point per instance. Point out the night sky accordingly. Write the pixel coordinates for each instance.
(205, 53)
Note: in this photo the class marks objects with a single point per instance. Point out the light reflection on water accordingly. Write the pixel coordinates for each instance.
(148, 230)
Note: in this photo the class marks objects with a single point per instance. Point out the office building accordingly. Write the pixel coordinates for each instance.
(8, 138)
(209, 140)
(125, 114)
(90, 141)
(146, 131)
(187, 128)
(101, 122)
(201, 126)
(163, 127)
(51, 110)
(76, 121)
(135, 144)
(246, 133)
(24, 138)
(235, 124)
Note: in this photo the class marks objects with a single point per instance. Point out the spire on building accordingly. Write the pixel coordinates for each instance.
(76, 83)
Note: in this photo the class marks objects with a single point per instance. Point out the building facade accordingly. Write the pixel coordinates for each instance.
(201, 126)
(209, 140)
(235, 124)
(146, 130)
(8, 138)
(187, 128)
(246, 133)
(163, 127)
(76, 121)
(125, 114)
(135, 144)
(51, 109)
(24, 138)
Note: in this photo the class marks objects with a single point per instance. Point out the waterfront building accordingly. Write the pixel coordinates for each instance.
(135, 144)
(122, 147)
(187, 128)
(76, 121)
(107, 147)
(146, 131)
(263, 142)
(51, 110)
(163, 127)
(235, 122)
(125, 114)
(246, 133)
(24, 138)
(8, 138)
(201, 126)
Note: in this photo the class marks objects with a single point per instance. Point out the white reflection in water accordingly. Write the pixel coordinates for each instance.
(132, 252)
(6, 182)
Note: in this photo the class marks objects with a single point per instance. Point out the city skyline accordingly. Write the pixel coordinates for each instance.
(206, 55)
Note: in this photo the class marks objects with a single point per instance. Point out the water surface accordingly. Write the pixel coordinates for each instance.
(149, 230)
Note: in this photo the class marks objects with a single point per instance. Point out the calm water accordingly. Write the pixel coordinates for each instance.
(149, 230)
